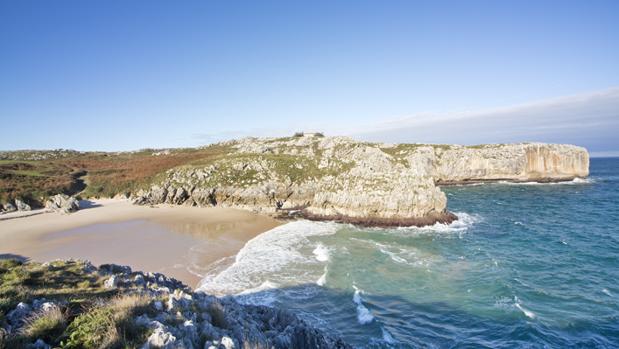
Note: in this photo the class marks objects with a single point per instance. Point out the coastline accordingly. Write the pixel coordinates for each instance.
(162, 238)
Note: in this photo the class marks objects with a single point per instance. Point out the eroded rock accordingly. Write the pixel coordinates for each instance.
(62, 203)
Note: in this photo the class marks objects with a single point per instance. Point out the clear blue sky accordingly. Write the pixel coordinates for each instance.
(120, 75)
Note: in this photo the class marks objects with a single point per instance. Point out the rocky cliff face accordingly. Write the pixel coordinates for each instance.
(367, 183)
(512, 162)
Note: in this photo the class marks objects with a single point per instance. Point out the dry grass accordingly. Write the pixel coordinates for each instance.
(105, 174)
(46, 324)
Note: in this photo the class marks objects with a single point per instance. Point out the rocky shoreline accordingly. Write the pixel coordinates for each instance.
(160, 311)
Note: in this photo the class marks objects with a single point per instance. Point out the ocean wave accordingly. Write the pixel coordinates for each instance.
(463, 223)
(387, 337)
(408, 256)
(364, 316)
(323, 278)
(266, 255)
(259, 295)
(572, 182)
(321, 253)
(526, 312)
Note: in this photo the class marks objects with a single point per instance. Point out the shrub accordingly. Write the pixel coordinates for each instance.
(92, 329)
(298, 134)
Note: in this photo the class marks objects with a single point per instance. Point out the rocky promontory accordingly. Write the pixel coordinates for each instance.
(73, 304)
(338, 178)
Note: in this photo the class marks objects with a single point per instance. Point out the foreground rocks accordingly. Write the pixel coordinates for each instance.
(337, 178)
(156, 312)
(62, 203)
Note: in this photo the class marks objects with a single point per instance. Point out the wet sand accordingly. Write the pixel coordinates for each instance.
(179, 241)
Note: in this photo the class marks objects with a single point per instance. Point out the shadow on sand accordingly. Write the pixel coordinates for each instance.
(87, 204)
(17, 257)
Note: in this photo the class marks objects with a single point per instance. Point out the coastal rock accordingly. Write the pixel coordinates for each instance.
(9, 207)
(40, 344)
(112, 282)
(16, 316)
(160, 338)
(337, 178)
(22, 206)
(108, 269)
(62, 203)
(188, 319)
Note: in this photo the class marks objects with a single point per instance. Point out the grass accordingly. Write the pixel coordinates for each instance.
(47, 325)
(110, 325)
(106, 174)
(90, 315)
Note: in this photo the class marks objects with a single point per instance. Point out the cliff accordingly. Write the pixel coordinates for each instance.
(340, 179)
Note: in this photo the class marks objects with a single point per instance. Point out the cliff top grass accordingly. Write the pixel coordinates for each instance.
(84, 313)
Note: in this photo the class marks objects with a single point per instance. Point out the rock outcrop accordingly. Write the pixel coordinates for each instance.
(340, 179)
(179, 318)
(22, 206)
(62, 203)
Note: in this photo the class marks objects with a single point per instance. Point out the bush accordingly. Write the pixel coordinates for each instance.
(91, 329)
(298, 134)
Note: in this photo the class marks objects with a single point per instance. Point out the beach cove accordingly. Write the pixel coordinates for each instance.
(178, 241)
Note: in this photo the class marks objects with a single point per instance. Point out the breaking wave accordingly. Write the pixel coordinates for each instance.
(267, 254)
(364, 316)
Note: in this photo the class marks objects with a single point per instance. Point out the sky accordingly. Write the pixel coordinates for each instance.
(125, 75)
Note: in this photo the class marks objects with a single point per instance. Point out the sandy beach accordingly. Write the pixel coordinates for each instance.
(176, 240)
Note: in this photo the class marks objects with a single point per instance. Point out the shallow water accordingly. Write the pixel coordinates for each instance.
(526, 265)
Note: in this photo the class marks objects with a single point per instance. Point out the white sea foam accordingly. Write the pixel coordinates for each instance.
(462, 224)
(321, 253)
(364, 316)
(409, 256)
(572, 182)
(387, 337)
(607, 292)
(259, 295)
(273, 255)
(526, 312)
(323, 278)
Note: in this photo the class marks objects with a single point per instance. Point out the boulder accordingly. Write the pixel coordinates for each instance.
(62, 203)
(160, 338)
(9, 207)
(22, 206)
(112, 282)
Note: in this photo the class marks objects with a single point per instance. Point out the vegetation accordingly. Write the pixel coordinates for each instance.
(92, 174)
(84, 314)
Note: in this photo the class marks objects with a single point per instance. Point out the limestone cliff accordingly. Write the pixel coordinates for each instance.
(342, 179)
(512, 162)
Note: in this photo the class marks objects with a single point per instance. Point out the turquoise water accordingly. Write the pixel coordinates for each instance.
(525, 266)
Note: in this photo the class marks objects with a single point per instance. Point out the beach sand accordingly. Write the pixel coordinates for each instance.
(180, 241)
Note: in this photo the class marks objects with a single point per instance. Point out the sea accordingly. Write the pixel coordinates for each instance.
(525, 266)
